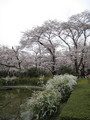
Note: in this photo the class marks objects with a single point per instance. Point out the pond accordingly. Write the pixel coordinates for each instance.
(11, 102)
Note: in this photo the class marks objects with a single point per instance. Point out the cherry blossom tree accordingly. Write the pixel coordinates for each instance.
(43, 36)
(75, 34)
(11, 58)
(51, 45)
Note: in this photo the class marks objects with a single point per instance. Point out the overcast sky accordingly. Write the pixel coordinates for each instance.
(17, 16)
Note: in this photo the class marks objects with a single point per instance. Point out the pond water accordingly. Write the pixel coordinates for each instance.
(11, 102)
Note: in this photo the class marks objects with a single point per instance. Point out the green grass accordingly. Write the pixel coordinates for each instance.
(78, 105)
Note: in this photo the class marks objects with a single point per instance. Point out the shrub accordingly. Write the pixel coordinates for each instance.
(44, 104)
(63, 83)
(3, 74)
(33, 72)
(34, 81)
(64, 69)
(8, 80)
(65, 93)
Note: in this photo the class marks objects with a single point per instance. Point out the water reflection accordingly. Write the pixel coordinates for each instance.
(11, 102)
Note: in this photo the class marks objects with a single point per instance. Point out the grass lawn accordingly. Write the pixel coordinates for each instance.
(78, 105)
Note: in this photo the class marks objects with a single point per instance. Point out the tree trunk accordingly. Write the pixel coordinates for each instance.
(76, 66)
(53, 65)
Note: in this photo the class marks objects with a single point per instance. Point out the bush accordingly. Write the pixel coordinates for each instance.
(34, 81)
(64, 69)
(65, 92)
(64, 84)
(33, 72)
(8, 80)
(78, 105)
(44, 104)
(3, 74)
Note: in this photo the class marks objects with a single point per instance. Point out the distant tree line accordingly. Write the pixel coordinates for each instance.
(51, 46)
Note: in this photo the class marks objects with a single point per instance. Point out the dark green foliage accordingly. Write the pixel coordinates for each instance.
(33, 72)
(65, 92)
(3, 74)
(78, 105)
(65, 69)
(9, 73)
(35, 81)
(29, 77)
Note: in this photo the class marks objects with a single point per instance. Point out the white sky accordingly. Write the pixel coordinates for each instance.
(17, 16)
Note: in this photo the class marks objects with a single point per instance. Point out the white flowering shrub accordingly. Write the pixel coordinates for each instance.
(71, 80)
(64, 84)
(60, 80)
(41, 80)
(9, 78)
(44, 104)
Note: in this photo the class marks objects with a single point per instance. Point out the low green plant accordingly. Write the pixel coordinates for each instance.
(65, 69)
(33, 72)
(8, 80)
(34, 81)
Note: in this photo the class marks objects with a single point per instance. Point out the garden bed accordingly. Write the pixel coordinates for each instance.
(78, 105)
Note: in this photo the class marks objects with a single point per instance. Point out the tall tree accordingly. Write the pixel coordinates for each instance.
(74, 34)
(44, 36)
(11, 58)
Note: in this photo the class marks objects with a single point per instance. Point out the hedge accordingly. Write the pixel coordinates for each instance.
(35, 81)
(78, 105)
